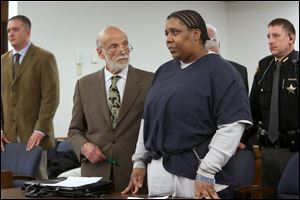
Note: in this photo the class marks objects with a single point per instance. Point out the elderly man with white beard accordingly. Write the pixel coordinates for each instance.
(107, 112)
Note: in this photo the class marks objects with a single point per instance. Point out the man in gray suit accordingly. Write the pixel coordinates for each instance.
(107, 112)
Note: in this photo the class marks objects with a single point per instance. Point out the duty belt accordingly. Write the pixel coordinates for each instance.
(287, 139)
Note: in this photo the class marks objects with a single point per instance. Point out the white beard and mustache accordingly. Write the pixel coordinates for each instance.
(117, 67)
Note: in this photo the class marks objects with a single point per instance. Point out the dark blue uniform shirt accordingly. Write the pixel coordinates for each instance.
(184, 107)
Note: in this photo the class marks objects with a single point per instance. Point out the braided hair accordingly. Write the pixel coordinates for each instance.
(192, 20)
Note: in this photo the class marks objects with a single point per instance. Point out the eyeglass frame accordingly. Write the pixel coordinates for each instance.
(117, 47)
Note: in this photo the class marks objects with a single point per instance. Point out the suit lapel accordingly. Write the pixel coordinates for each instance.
(9, 66)
(25, 62)
(100, 96)
(131, 91)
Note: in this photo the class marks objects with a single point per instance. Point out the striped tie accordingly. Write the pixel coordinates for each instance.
(16, 64)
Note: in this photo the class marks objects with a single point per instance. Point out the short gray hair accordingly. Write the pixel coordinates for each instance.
(98, 41)
(214, 39)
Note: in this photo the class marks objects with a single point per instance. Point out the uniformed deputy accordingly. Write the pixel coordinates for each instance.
(274, 101)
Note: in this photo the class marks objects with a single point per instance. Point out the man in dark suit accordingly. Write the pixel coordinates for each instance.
(29, 91)
(214, 45)
(107, 112)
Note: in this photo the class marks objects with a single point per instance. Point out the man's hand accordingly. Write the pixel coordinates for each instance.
(136, 181)
(3, 141)
(206, 190)
(241, 146)
(34, 140)
(92, 153)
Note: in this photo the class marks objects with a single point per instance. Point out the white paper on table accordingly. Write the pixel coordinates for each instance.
(75, 181)
(164, 197)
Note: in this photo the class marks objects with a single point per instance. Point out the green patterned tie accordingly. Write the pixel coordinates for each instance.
(114, 101)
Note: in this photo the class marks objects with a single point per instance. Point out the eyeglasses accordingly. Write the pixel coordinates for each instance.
(125, 47)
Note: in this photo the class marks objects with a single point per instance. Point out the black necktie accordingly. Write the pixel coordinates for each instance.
(114, 101)
(274, 114)
(16, 64)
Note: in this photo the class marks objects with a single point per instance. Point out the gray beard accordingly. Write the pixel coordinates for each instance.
(115, 67)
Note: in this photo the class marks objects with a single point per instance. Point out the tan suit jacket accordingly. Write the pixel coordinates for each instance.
(91, 123)
(29, 101)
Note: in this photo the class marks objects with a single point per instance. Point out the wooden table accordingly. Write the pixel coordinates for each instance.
(17, 193)
(6, 179)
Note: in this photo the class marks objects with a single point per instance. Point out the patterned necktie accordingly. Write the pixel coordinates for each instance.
(16, 64)
(114, 101)
(274, 114)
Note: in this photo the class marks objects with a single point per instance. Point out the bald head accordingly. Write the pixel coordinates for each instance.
(108, 34)
(213, 44)
(114, 48)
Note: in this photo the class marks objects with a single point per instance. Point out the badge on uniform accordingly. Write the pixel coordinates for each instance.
(291, 89)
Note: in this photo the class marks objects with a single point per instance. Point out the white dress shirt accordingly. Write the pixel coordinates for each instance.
(22, 52)
(120, 84)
